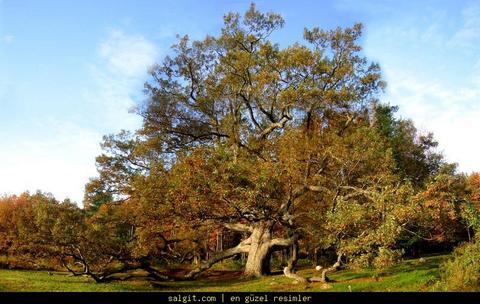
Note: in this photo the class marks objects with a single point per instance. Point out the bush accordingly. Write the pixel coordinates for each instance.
(379, 260)
(26, 262)
(387, 257)
(361, 261)
(462, 273)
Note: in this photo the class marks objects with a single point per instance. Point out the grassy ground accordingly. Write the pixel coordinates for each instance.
(409, 275)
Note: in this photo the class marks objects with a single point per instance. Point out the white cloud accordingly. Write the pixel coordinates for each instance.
(456, 131)
(56, 154)
(469, 34)
(432, 68)
(167, 31)
(451, 113)
(8, 39)
(60, 162)
(119, 76)
(476, 74)
(128, 55)
(110, 100)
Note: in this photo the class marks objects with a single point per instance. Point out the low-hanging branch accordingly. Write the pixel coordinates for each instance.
(243, 247)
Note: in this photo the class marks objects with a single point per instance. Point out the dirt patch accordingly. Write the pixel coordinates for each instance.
(209, 274)
(222, 274)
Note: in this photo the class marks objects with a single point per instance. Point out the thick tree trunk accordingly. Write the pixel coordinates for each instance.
(242, 247)
(258, 261)
(258, 247)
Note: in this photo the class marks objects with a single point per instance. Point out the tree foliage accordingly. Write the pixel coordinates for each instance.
(284, 146)
(277, 148)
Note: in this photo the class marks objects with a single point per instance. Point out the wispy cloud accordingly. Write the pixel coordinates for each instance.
(119, 75)
(129, 55)
(432, 66)
(8, 39)
(55, 163)
(451, 113)
(57, 152)
(469, 34)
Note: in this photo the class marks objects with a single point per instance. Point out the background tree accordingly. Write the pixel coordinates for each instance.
(31, 227)
(415, 157)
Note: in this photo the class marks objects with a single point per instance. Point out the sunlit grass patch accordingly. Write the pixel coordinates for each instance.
(408, 275)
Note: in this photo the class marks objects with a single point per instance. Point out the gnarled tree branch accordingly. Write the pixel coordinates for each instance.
(243, 247)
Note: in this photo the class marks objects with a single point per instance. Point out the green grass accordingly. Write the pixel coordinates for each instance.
(26, 280)
(409, 275)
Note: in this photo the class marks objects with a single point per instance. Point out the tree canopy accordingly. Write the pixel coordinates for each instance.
(282, 146)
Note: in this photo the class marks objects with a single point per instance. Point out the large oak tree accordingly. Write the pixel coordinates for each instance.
(282, 146)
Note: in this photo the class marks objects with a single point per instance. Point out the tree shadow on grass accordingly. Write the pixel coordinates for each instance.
(429, 263)
(212, 278)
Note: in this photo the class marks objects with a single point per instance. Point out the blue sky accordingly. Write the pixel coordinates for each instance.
(71, 70)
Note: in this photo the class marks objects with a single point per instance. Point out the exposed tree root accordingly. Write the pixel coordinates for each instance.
(289, 271)
(333, 268)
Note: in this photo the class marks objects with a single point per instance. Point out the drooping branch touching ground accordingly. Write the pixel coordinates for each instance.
(289, 270)
(154, 273)
(69, 269)
(243, 247)
(333, 268)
